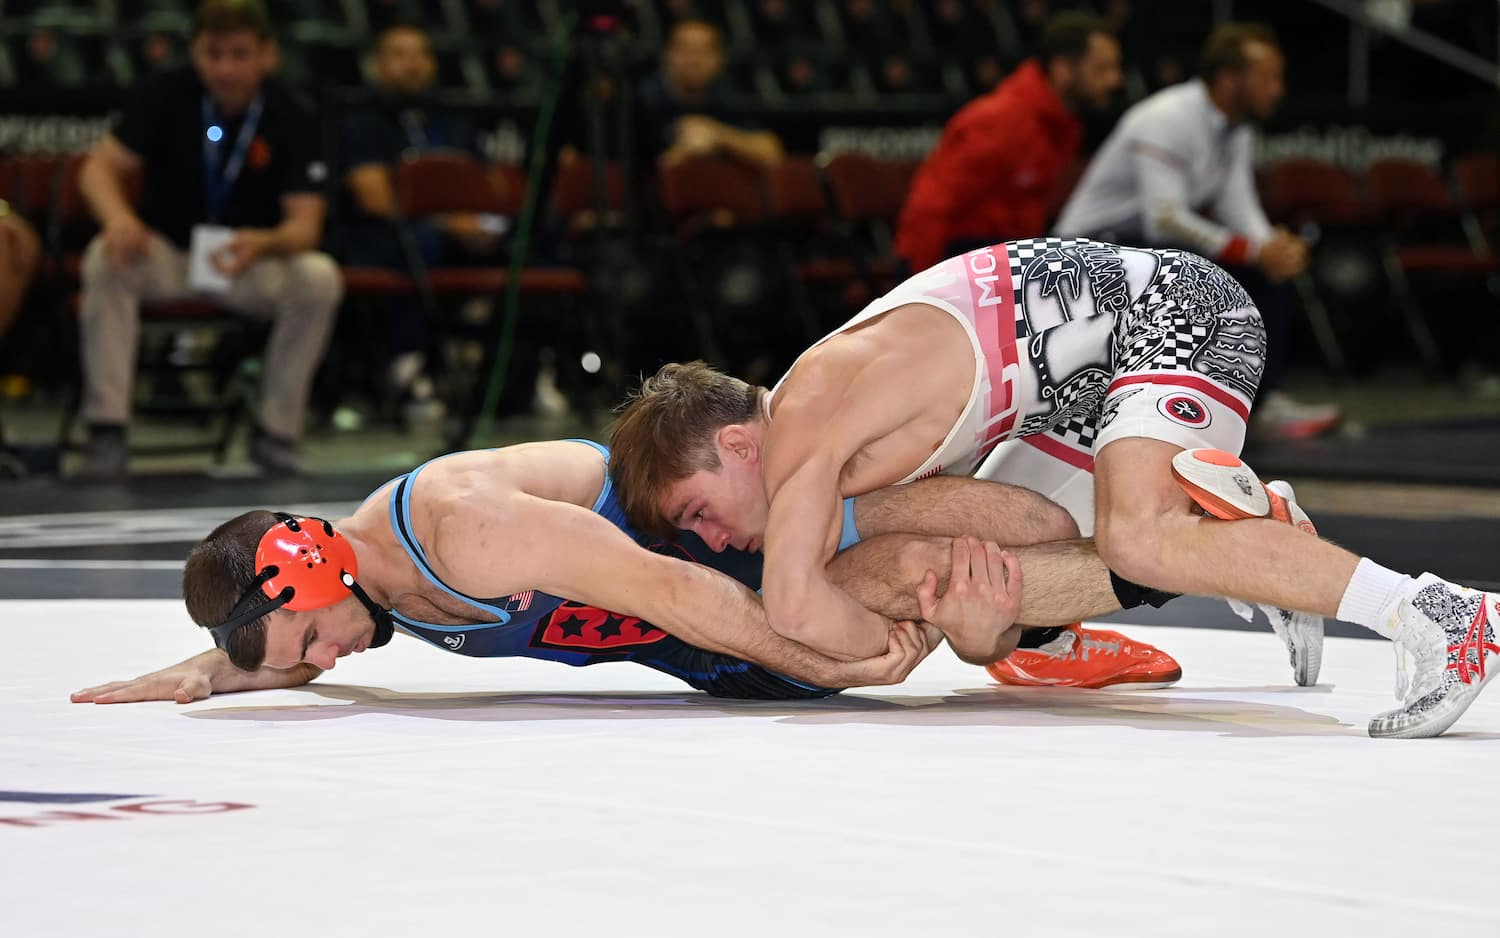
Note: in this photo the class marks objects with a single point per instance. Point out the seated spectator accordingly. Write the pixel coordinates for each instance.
(405, 117)
(778, 21)
(684, 109)
(1176, 172)
(20, 250)
(230, 209)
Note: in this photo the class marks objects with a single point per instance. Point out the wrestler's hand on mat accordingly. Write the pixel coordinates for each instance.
(194, 679)
(983, 596)
(183, 682)
(909, 643)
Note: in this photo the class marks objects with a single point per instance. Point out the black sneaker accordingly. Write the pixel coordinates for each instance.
(274, 455)
(103, 456)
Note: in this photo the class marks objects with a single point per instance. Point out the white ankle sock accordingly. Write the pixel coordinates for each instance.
(1371, 595)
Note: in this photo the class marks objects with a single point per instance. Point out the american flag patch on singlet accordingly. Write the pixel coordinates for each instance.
(520, 602)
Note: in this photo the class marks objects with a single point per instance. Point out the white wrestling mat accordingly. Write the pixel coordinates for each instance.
(412, 792)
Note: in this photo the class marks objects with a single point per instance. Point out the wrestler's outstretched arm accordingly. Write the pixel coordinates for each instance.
(573, 552)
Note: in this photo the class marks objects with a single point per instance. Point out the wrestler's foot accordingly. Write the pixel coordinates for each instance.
(1081, 657)
(1226, 488)
(1447, 632)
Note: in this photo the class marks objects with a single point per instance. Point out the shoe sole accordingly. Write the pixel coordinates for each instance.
(1305, 649)
(1154, 683)
(1225, 487)
(1221, 484)
(1434, 722)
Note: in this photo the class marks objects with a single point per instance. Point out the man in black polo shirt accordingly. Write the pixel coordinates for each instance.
(230, 209)
(684, 110)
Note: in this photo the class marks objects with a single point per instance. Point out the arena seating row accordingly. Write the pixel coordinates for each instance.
(777, 49)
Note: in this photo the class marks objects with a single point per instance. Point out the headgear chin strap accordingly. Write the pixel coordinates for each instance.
(303, 564)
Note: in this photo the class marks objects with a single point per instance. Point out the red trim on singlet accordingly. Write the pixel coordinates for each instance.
(997, 337)
(1174, 379)
(1057, 449)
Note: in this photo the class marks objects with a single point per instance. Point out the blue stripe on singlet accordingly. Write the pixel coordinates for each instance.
(849, 536)
(401, 524)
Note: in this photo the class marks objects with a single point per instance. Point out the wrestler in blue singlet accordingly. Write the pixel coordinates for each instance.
(534, 624)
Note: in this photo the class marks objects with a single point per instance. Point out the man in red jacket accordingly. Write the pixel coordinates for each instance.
(997, 171)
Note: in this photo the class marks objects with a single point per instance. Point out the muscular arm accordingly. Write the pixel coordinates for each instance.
(573, 552)
(802, 534)
(840, 398)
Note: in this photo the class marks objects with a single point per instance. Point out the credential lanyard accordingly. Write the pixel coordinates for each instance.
(416, 134)
(218, 178)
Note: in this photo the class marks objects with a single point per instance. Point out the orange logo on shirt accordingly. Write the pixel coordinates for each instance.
(259, 156)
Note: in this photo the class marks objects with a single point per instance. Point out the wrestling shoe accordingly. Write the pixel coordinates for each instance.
(1444, 633)
(1278, 416)
(1226, 488)
(1081, 657)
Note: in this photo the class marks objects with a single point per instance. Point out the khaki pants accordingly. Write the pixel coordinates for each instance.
(299, 293)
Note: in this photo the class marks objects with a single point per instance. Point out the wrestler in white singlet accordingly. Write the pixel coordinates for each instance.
(1078, 343)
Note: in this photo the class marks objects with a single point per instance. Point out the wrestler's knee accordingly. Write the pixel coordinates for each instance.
(1056, 522)
(1132, 546)
(917, 555)
(986, 649)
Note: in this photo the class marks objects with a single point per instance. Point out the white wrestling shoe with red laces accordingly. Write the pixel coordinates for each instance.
(1226, 488)
(1448, 632)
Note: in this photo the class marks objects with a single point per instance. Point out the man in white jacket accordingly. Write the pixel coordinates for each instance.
(1177, 172)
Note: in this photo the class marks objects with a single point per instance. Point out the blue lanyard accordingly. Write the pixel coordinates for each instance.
(218, 178)
(416, 134)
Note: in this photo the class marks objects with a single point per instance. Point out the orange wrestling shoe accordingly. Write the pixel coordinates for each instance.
(1081, 657)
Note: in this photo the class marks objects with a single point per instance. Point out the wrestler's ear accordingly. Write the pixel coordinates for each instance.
(736, 441)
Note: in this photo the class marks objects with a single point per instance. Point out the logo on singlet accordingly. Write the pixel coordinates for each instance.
(454, 642)
(1186, 409)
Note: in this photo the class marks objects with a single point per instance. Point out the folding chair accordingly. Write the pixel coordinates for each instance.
(801, 219)
(231, 368)
(714, 205)
(1425, 238)
(868, 195)
(438, 183)
(1300, 193)
(1477, 183)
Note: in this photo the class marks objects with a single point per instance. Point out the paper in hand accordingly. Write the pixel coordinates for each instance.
(204, 275)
